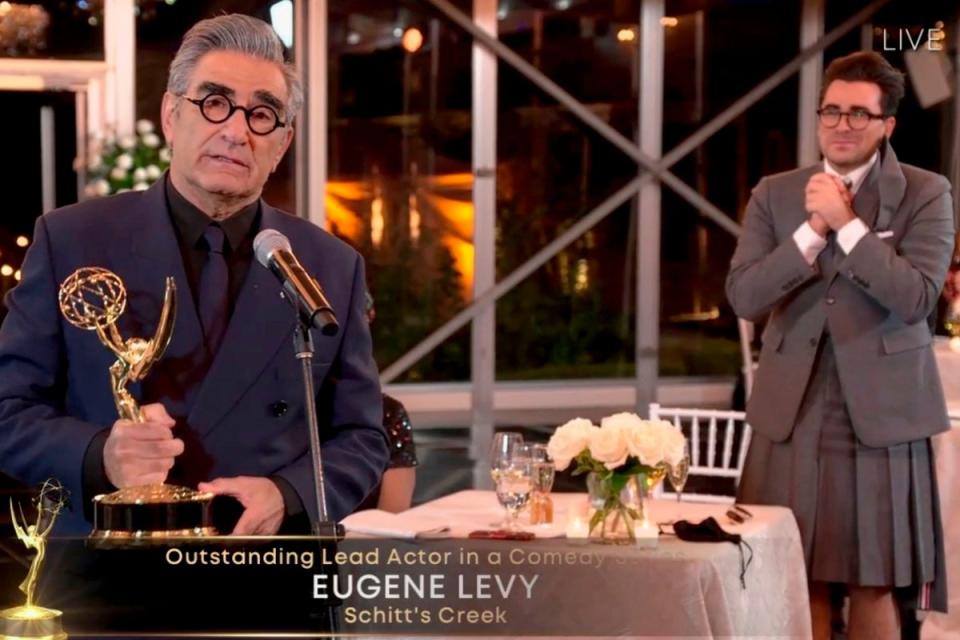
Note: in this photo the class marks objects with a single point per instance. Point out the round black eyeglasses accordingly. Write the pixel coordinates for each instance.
(217, 108)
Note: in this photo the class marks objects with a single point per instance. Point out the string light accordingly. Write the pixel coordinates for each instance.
(412, 40)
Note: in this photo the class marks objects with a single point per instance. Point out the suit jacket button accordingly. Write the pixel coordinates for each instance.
(278, 409)
(813, 342)
(831, 300)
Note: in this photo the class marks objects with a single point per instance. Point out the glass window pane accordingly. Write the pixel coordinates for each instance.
(711, 61)
(52, 29)
(399, 180)
(21, 177)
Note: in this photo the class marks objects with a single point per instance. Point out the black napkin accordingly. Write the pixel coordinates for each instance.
(709, 530)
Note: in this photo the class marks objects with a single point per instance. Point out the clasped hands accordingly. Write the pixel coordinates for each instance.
(828, 202)
(137, 453)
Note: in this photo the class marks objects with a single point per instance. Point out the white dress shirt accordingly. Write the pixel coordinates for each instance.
(810, 243)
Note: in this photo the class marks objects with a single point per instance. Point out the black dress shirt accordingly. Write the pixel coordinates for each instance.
(189, 222)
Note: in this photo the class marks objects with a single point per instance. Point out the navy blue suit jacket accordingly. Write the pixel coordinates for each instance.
(54, 380)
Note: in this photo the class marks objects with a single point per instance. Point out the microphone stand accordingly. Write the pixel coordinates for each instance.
(327, 533)
(303, 347)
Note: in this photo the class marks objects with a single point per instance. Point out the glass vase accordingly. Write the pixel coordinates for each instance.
(617, 507)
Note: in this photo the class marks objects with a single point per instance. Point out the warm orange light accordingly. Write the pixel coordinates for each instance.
(345, 220)
(669, 21)
(22, 241)
(581, 276)
(346, 202)
(458, 213)
(414, 218)
(6, 270)
(412, 40)
(341, 213)
(376, 221)
(451, 180)
(350, 190)
(462, 253)
(626, 35)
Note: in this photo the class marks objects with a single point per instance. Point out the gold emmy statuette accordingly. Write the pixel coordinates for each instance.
(93, 298)
(30, 621)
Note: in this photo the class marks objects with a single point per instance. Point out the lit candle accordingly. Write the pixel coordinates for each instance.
(646, 533)
(578, 529)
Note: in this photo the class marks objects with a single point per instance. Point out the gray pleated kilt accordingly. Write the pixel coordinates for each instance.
(868, 517)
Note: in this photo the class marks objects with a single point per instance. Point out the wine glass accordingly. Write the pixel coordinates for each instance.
(501, 451)
(514, 485)
(677, 474)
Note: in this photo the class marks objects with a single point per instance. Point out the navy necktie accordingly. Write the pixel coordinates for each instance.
(213, 297)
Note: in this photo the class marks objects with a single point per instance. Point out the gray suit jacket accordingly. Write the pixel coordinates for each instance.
(874, 303)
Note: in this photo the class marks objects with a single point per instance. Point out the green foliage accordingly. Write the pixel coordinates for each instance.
(416, 288)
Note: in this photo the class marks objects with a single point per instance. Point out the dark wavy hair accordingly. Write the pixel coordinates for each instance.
(868, 66)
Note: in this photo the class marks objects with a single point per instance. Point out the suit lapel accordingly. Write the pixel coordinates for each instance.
(260, 325)
(154, 249)
(892, 187)
(866, 202)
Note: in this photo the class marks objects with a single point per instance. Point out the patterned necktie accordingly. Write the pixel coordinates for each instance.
(214, 290)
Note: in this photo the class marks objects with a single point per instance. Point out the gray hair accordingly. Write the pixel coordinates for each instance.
(233, 32)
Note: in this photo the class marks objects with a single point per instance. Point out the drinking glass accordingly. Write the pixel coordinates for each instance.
(541, 506)
(502, 450)
(677, 474)
(514, 485)
(504, 445)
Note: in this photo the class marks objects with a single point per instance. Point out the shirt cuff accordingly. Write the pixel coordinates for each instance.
(295, 519)
(809, 242)
(292, 503)
(850, 234)
(94, 478)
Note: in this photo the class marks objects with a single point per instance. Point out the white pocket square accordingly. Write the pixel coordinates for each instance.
(884, 234)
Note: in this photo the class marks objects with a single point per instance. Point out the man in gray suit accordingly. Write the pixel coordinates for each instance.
(846, 260)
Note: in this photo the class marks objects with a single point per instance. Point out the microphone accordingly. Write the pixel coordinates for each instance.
(273, 251)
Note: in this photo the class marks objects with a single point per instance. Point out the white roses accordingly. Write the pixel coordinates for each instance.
(569, 440)
(620, 437)
(129, 162)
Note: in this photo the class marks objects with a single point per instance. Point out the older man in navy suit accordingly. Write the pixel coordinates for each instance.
(223, 408)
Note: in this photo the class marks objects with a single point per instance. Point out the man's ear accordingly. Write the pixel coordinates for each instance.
(288, 138)
(168, 113)
(889, 124)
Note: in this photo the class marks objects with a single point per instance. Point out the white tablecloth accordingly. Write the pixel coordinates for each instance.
(676, 588)
(946, 447)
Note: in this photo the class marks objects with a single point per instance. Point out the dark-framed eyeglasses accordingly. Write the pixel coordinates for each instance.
(217, 108)
(857, 119)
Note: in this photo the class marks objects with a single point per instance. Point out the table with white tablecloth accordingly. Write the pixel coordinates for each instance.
(946, 446)
(674, 588)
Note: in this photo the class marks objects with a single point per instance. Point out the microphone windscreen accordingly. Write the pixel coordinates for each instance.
(268, 241)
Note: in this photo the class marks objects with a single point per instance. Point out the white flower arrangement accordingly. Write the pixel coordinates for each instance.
(623, 448)
(127, 163)
(623, 442)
